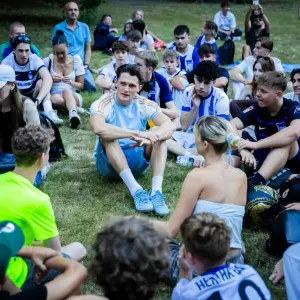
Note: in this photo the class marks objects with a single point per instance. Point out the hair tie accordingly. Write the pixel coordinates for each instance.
(229, 138)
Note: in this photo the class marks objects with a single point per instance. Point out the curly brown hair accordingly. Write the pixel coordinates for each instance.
(206, 237)
(131, 259)
(29, 143)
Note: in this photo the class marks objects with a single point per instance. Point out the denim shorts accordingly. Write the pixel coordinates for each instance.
(7, 162)
(136, 160)
(30, 281)
(174, 266)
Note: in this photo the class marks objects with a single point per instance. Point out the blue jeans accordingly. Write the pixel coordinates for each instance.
(136, 160)
(8, 162)
(89, 82)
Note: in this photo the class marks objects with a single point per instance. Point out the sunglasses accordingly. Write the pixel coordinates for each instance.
(22, 39)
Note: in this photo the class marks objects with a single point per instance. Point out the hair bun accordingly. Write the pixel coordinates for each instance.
(59, 32)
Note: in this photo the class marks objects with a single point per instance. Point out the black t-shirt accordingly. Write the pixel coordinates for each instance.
(37, 293)
(222, 73)
(267, 125)
(251, 38)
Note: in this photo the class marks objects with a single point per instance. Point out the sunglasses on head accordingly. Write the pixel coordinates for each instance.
(22, 39)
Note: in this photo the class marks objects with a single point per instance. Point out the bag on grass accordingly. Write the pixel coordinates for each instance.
(57, 149)
(226, 53)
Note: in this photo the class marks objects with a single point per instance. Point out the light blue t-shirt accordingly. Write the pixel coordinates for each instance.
(133, 116)
(76, 39)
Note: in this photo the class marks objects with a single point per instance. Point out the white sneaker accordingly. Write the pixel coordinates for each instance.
(74, 118)
(236, 38)
(53, 116)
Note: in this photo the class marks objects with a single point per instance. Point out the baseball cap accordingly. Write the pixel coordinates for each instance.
(11, 241)
(7, 74)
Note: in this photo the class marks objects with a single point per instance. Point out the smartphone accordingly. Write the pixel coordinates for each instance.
(256, 2)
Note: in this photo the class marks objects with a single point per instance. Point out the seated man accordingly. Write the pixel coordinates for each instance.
(28, 207)
(32, 77)
(201, 99)
(206, 242)
(206, 52)
(257, 25)
(188, 56)
(156, 87)
(108, 75)
(70, 274)
(226, 23)
(263, 47)
(15, 29)
(295, 79)
(277, 128)
(123, 148)
(134, 38)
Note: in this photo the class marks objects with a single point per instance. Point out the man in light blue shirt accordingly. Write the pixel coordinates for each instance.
(79, 39)
(124, 149)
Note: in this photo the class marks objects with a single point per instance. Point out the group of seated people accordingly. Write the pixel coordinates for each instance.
(143, 114)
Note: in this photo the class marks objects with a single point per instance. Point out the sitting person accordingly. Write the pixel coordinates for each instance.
(188, 56)
(206, 52)
(263, 47)
(257, 25)
(206, 243)
(277, 128)
(217, 188)
(28, 207)
(107, 78)
(127, 27)
(133, 38)
(123, 148)
(170, 69)
(248, 93)
(15, 29)
(156, 87)
(295, 79)
(15, 111)
(147, 42)
(209, 31)
(69, 273)
(131, 259)
(225, 20)
(104, 34)
(68, 77)
(29, 68)
(201, 99)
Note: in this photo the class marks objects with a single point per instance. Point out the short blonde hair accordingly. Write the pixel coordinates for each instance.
(150, 57)
(170, 53)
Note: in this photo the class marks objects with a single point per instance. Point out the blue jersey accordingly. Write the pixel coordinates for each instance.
(234, 281)
(267, 125)
(201, 41)
(187, 61)
(157, 90)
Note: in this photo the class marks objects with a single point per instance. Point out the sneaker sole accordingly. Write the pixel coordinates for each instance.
(74, 122)
(144, 210)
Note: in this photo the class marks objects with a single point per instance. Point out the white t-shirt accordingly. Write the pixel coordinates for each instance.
(246, 66)
(234, 281)
(215, 104)
(26, 75)
(147, 41)
(225, 22)
(292, 96)
(109, 70)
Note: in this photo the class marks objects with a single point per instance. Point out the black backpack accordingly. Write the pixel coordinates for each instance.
(226, 53)
(57, 149)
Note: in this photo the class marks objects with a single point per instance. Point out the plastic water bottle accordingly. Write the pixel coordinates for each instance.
(185, 161)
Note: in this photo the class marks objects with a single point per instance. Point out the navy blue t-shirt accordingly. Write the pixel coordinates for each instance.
(267, 125)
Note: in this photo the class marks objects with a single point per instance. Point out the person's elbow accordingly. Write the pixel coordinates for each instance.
(80, 271)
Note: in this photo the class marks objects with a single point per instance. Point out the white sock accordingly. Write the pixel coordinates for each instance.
(130, 181)
(156, 184)
(187, 153)
(47, 105)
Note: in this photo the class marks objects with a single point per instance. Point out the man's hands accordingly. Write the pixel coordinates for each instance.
(277, 274)
(294, 205)
(248, 158)
(195, 99)
(245, 144)
(143, 138)
(39, 255)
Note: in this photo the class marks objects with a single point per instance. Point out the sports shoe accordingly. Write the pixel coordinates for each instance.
(74, 118)
(159, 204)
(53, 116)
(236, 38)
(141, 201)
(185, 160)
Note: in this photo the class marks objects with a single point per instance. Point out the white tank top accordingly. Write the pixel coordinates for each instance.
(231, 214)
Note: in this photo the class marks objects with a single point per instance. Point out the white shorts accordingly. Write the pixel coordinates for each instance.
(185, 139)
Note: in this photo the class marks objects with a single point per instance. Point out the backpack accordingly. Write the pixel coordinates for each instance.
(226, 53)
(57, 149)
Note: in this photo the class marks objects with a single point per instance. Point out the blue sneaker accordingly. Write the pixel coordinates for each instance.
(158, 200)
(142, 202)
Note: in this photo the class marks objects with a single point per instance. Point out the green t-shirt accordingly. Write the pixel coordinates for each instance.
(29, 208)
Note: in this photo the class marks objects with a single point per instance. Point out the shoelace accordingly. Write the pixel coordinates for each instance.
(158, 200)
(142, 197)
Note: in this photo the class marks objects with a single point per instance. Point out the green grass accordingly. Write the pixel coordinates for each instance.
(83, 201)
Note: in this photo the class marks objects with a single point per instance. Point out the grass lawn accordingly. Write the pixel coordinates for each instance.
(84, 201)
